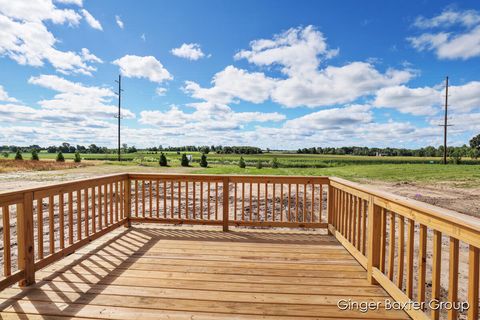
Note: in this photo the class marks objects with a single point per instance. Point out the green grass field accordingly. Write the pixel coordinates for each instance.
(358, 168)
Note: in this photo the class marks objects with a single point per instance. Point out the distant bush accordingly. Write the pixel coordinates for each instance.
(5, 154)
(18, 155)
(456, 157)
(259, 164)
(163, 160)
(203, 161)
(184, 161)
(275, 163)
(77, 157)
(60, 157)
(242, 163)
(35, 155)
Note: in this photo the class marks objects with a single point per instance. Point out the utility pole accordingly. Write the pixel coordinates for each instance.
(119, 116)
(445, 124)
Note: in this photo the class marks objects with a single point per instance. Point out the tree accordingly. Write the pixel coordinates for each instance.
(60, 157)
(184, 160)
(163, 160)
(77, 158)
(35, 155)
(259, 164)
(203, 161)
(5, 154)
(18, 155)
(242, 163)
(275, 163)
(456, 157)
(475, 142)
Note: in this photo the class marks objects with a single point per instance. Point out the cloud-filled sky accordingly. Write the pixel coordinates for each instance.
(278, 74)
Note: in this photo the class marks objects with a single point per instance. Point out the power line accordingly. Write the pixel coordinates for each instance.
(119, 116)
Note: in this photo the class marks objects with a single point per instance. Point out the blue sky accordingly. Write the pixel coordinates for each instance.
(278, 74)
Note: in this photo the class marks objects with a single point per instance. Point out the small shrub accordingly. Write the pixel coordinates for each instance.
(163, 160)
(184, 161)
(77, 157)
(18, 155)
(259, 165)
(275, 163)
(35, 155)
(60, 157)
(5, 154)
(203, 161)
(456, 157)
(242, 163)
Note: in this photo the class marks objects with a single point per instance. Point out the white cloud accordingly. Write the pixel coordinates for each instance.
(90, 57)
(449, 17)
(25, 38)
(233, 83)
(191, 51)
(417, 101)
(298, 52)
(429, 100)
(119, 22)
(459, 43)
(74, 97)
(94, 23)
(5, 97)
(75, 2)
(143, 67)
(161, 91)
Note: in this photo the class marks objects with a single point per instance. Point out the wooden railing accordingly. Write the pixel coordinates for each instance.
(230, 200)
(397, 240)
(42, 225)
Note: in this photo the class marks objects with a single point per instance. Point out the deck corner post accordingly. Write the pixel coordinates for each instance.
(226, 202)
(330, 207)
(374, 234)
(128, 202)
(25, 240)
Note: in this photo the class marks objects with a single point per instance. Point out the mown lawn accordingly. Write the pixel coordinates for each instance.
(466, 175)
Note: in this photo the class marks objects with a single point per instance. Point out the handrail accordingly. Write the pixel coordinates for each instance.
(392, 246)
(386, 233)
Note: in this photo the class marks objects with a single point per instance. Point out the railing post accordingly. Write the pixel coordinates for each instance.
(26, 258)
(226, 202)
(128, 202)
(374, 234)
(330, 207)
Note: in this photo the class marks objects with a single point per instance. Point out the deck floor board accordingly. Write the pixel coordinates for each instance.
(159, 272)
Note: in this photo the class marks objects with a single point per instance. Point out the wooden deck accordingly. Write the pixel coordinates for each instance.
(160, 272)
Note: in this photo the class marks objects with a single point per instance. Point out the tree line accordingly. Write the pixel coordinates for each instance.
(472, 150)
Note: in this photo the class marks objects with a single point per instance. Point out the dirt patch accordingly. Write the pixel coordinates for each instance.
(30, 165)
(442, 194)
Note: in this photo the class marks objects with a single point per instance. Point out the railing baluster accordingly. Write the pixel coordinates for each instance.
(186, 199)
(208, 201)
(258, 201)
(51, 224)
(453, 277)
(25, 239)
(243, 201)
(410, 256)
(304, 215)
(100, 214)
(401, 251)
(150, 197)
(164, 199)
(40, 228)
(250, 203)
(383, 238)
(235, 200)
(111, 204)
(391, 247)
(158, 197)
(273, 202)
(105, 204)
(86, 218)
(94, 214)
(225, 203)
(436, 270)
(281, 201)
(201, 200)
(296, 203)
(7, 262)
(216, 200)
(265, 218)
(61, 220)
(136, 197)
(172, 187)
(70, 218)
(312, 211)
(194, 200)
(473, 281)
(143, 198)
(289, 202)
(422, 263)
